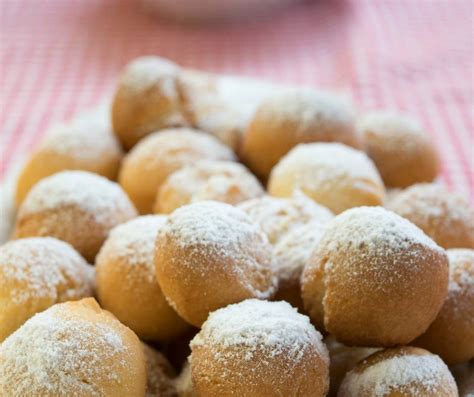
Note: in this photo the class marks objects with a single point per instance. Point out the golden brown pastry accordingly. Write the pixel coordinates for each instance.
(332, 174)
(72, 349)
(451, 334)
(374, 279)
(291, 117)
(278, 216)
(36, 273)
(224, 181)
(85, 143)
(402, 371)
(147, 99)
(126, 281)
(211, 254)
(444, 216)
(259, 349)
(147, 166)
(402, 152)
(74, 206)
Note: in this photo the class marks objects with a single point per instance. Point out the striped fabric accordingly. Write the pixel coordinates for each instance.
(58, 57)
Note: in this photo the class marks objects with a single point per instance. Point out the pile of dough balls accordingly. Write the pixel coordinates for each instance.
(185, 251)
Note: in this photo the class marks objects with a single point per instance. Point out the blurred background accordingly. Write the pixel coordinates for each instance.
(59, 57)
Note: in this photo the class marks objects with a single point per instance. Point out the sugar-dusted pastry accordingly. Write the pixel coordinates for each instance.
(451, 334)
(225, 181)
(147, 166)
(85, 143)
(259, 348)
(278, 216)
(291, 117)
(36, 273)
(374, 279)
(403, 153)
(126, 281)
(332, 174)
(402, 371)
(147, 99)
(446, 217)
(75, 206)
(210, 254)
(72, 349)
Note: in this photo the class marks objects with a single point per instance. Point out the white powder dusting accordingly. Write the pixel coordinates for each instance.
(254, 325)
(277, 216)
(43, 267)
(378, 228)
(53, 354)
(223, 231)
(313, 165)
(214, 180)
(135, 240)
(86, 137)
(92, 193)
(400, 371)
(294, 250)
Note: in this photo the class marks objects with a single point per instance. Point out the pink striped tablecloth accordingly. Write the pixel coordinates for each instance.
(61, 56)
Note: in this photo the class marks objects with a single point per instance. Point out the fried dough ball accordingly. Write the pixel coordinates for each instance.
(209, 255)
(259, 348)
(451, 334)
(402, 152)
(374, 279)
(291, 255)
(85, 143)
(72, 349)
(278, 216)
(402, 371)
(147, 166)
(444, 216)
(224, 181)
(147, 99)
(291, 117)
(332, 174)
(126, 281)
(74, 206)
(160, 374)
(207, 111)
(342, 359)
(36, 273)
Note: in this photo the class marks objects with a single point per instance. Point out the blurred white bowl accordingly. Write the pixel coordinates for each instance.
(204, 10)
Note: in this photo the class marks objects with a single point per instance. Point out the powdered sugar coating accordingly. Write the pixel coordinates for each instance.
(379, 229)
(277, 216)
(445, 216)
(58, 352)
(45, 265)
(259, 348)
(413, 372)
(294, 250)
(36, 273)
(324, 162)
(461, 270)
(222, 231)
(254, 325)
(332, 174)
(134, 241)
(208, 180)
(87, 137)
(89, 192)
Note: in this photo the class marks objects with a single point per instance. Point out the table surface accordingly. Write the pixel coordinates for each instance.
(59, 57)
